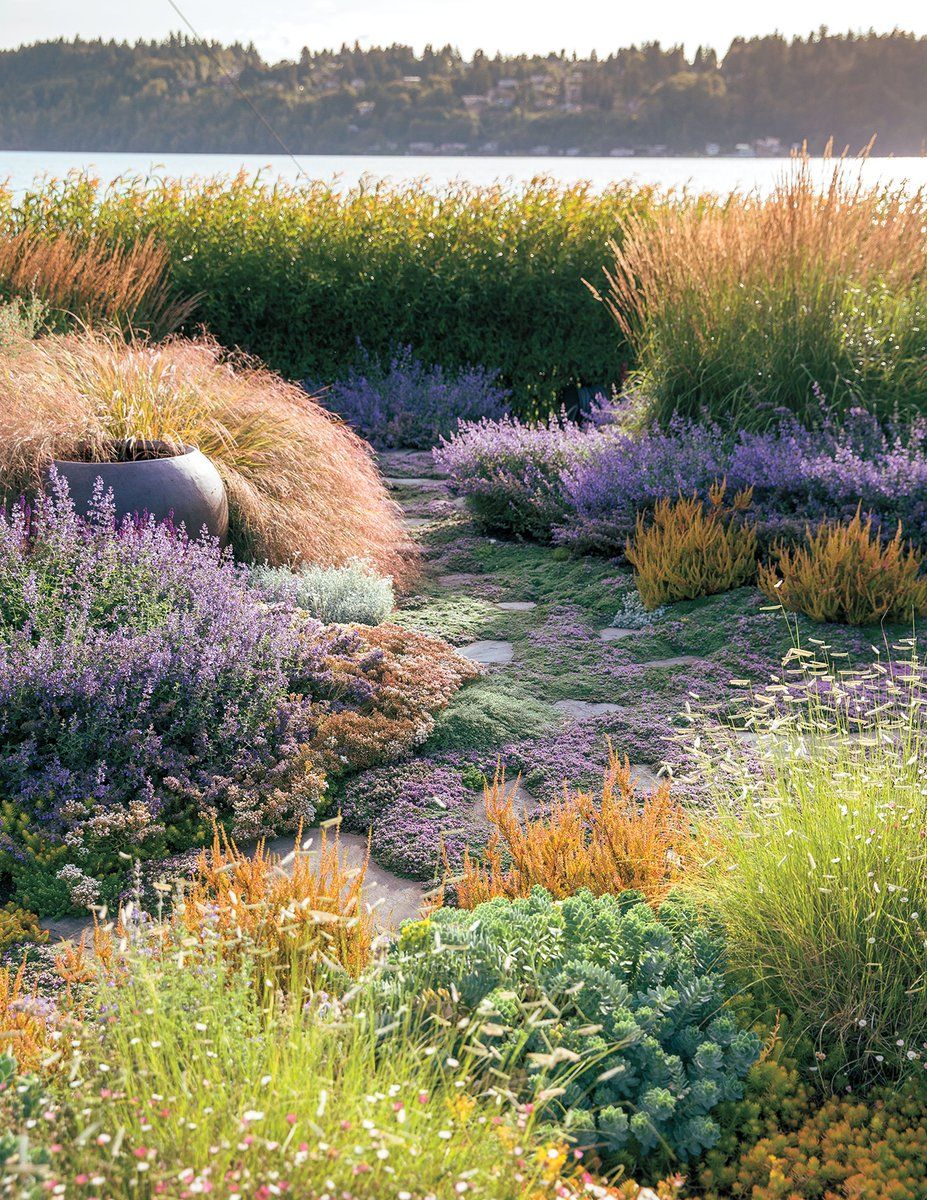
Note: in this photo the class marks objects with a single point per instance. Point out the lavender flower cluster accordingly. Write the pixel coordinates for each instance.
(145, 688)
(583, 486)
(410, 405)
(420, 814)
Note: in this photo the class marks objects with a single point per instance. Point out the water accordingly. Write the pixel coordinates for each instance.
(21, 167)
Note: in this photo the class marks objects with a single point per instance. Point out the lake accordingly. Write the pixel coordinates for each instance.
(21, 167)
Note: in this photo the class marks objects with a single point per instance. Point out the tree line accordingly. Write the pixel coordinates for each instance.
(764, 95)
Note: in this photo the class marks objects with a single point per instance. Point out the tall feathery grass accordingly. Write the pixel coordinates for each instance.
(94, 281)
(819, 864)
(301, 485)
(803, 299)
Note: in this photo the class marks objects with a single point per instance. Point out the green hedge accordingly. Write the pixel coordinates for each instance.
(300, 275)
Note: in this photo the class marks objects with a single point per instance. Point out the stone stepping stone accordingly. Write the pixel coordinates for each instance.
(416, 522)
(583, 709)
(490, 653)
(392, 898)
(517, 605)
(681, 660)
(645, 777)
(411, 464)
(613, 634)
(459, 579)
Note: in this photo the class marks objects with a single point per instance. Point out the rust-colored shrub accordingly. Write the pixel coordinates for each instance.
(845, 573)
(414, 677)
(94, 281)
(689, 549)
(291, 916)
(606, 842)
(301, 485)
(24, 1029)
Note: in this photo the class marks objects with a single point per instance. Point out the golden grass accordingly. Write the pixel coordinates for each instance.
(296, 915)
(607, 842)
(745, 303)
(23, 1032)
(844, 573)
(689, 549)
(301, 485)
(95, 282)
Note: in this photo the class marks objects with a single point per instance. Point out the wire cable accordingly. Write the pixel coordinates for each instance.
(234, 82)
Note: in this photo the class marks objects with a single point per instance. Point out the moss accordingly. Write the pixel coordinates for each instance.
(488, 714)
(456, 618)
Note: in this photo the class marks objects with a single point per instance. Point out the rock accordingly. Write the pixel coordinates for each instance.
(517, 605)
(459, 579)
(524, 802)
(613, 634)
(646, 777)
(490, 653)
(582, 709)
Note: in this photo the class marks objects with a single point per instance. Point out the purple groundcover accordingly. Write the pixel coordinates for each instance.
(583, 486)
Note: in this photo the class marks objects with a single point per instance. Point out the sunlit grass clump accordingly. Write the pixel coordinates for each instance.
(846, 573)
(190, 1078)
(820, 860)
(687, 549)
(808, 297)
(610, 840)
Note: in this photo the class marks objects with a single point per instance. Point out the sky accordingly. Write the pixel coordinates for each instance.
(279, 28)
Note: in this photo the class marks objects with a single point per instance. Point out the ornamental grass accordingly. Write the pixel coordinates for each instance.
(848, 574)
(93, 281)
(807, 299)
(296, 918)
(688, 549)
(608, 841)
(817, 858)
(302, 487)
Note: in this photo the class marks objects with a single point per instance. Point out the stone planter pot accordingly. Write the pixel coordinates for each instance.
(184, 488)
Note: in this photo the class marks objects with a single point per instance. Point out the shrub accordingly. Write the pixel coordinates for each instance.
(845, 573)
(17, 925)
(146, 689)
(298, 274)
(817, 859)
(510, 473)
(806, 297)
(621, 1008)
(92, 282)
(605, 842)
(408, 679)
(20, 321)
(333, 595)
(408, 404)
(690, 550)
(595, 482)
(301, 486)
(415, 813)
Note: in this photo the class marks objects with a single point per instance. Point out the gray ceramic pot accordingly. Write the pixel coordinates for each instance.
(181, 487)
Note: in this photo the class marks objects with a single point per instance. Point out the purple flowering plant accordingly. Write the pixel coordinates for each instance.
(145, 690)
(583, 485)
(408, 404)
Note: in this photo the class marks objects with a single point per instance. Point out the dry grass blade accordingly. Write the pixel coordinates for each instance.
(97, 283)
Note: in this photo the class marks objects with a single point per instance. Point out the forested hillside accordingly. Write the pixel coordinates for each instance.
(763, 96)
